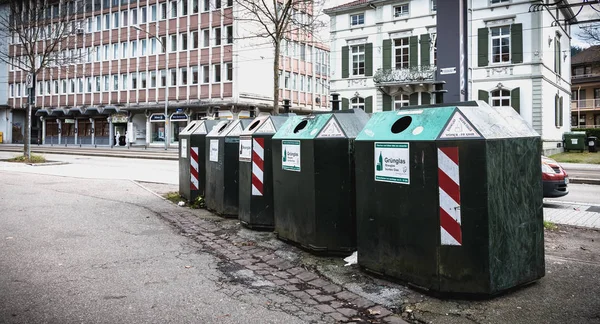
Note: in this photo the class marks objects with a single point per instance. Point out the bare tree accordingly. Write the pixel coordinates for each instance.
(590, 33)
(277, 20)
(40, 35)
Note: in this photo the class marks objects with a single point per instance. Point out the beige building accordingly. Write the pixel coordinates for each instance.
(585, 88)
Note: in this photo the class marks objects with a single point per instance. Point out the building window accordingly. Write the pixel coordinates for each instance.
(498, 1)
(184, 76)
(500, 44)
(194, 39)
(173, 42)
(558, 111)
(184, 41)
(115, 19)
(143, 47)
(55, 82)
(134, 17)
(357, 103)
(401, 53)
(163, 11)
(205, 74)
(194, 6)
(163, 42)
(96, 83)
(358, 59)
(184, 8)
(217, 33)
(173, 9)
(163, 78)
(357, 19)
(205, 38)
(153, 14)
(401, 10)
(206, 6)
(173, 77)
(106, 22)
(557, 52)
(124, 18)
(194, 75)
(229, 31)
(152, 79)
(115, 51)
(134, 49)
(217, 73)
(217, 4)
(401, 101)
(88, 85)
(115, 82)
(433, 5)
(229, 68)
(286, 80)
(123, 81)
(124, 50)
(500, 98)
(143, 80)
(106, 83)
(144, 15)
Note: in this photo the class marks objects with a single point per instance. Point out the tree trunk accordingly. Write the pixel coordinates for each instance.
(275, 110)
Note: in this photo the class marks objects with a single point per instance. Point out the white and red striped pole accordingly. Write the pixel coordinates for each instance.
(194, 168)
(449, 190)
(258, 166)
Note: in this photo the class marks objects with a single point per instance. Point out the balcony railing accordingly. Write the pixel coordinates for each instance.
(407, 75)
(585, 104)
(582, 76)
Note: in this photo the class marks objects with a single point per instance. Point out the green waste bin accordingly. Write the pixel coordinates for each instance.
(313, 180)
(222, 166)
(574, 141)
(256, 172)
(192, 152)
(450, 198)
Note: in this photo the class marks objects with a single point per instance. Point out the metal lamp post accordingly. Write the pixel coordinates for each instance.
(136, 27)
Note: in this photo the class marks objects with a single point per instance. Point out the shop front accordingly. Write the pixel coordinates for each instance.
(157, 128)
(179, 121)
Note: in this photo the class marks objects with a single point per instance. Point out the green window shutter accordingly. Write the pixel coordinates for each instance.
(425, 48)
(387, 54)
(515, 99)
(345, 104)
(516, 38)
(369, 104)
(556, 114)
(413, 99)
(369, 59)
(484, 96)
(425, 98)
(345, 63)
(387, 102)
(482, 46)
(560, 111)
(413, 44)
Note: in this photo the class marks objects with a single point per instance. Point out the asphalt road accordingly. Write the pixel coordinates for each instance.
(581, 193)
(582, 171)
(93, 251)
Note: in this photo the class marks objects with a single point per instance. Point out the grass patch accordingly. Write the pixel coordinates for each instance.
(33, 158)
(198, 203)
(550, 226)
(571, 157)
(173, 197)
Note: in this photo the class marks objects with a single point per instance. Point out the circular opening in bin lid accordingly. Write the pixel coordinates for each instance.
(401, 124)
(223, 127)
(254, 124)
(301, 126)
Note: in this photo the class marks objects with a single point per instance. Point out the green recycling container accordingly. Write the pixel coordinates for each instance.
(256, 172)
(450, 198)
(192, 167)
(222, 166)
(574, 141)
(313, 180)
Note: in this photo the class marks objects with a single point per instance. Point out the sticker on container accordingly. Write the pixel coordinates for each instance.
(214, 150)
(184, 148)
(574, 141)
(236, 131)
(332, 129)
(267, 127)
(290, 157)
(245, 149)
(392, 162)
(459, 127)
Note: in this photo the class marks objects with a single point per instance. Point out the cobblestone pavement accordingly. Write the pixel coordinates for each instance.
(574, 214)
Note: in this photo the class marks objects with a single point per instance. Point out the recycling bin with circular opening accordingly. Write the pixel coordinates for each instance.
(256, 172)
(450, 198)
(574, 141)
(192, 152)
(313, 180)
(592, 142)
(222, 166)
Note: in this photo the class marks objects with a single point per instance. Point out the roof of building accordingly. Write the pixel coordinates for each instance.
(349, 5)
(588, 55)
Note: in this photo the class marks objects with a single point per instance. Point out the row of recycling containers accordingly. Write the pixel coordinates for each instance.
(447, 198)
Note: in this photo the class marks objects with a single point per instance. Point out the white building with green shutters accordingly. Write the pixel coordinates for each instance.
(383, 56)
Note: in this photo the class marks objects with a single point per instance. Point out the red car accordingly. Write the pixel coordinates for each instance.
(555, 178)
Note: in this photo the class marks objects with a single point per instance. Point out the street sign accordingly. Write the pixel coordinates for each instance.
(29, 80)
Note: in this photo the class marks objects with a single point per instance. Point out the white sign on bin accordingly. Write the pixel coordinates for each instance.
(184, 147)
(392, 162)
(214, 150)
(245, 149)
(290, 156)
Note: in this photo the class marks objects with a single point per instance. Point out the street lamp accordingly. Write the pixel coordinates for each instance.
(136, 27)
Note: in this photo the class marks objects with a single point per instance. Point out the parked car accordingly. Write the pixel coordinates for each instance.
(554, 177)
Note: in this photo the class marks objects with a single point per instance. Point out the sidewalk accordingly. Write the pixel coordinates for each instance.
(138, 152)
(574, 214)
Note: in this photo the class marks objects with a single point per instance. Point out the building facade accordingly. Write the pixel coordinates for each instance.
(585, 88)
(130, 56)
(5, 125)
(384, 57)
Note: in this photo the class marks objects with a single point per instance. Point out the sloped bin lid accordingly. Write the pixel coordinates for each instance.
(219, 129)
(265, 125)
(205, 126)
(189, 129)
(344, 124)
(447, 123)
